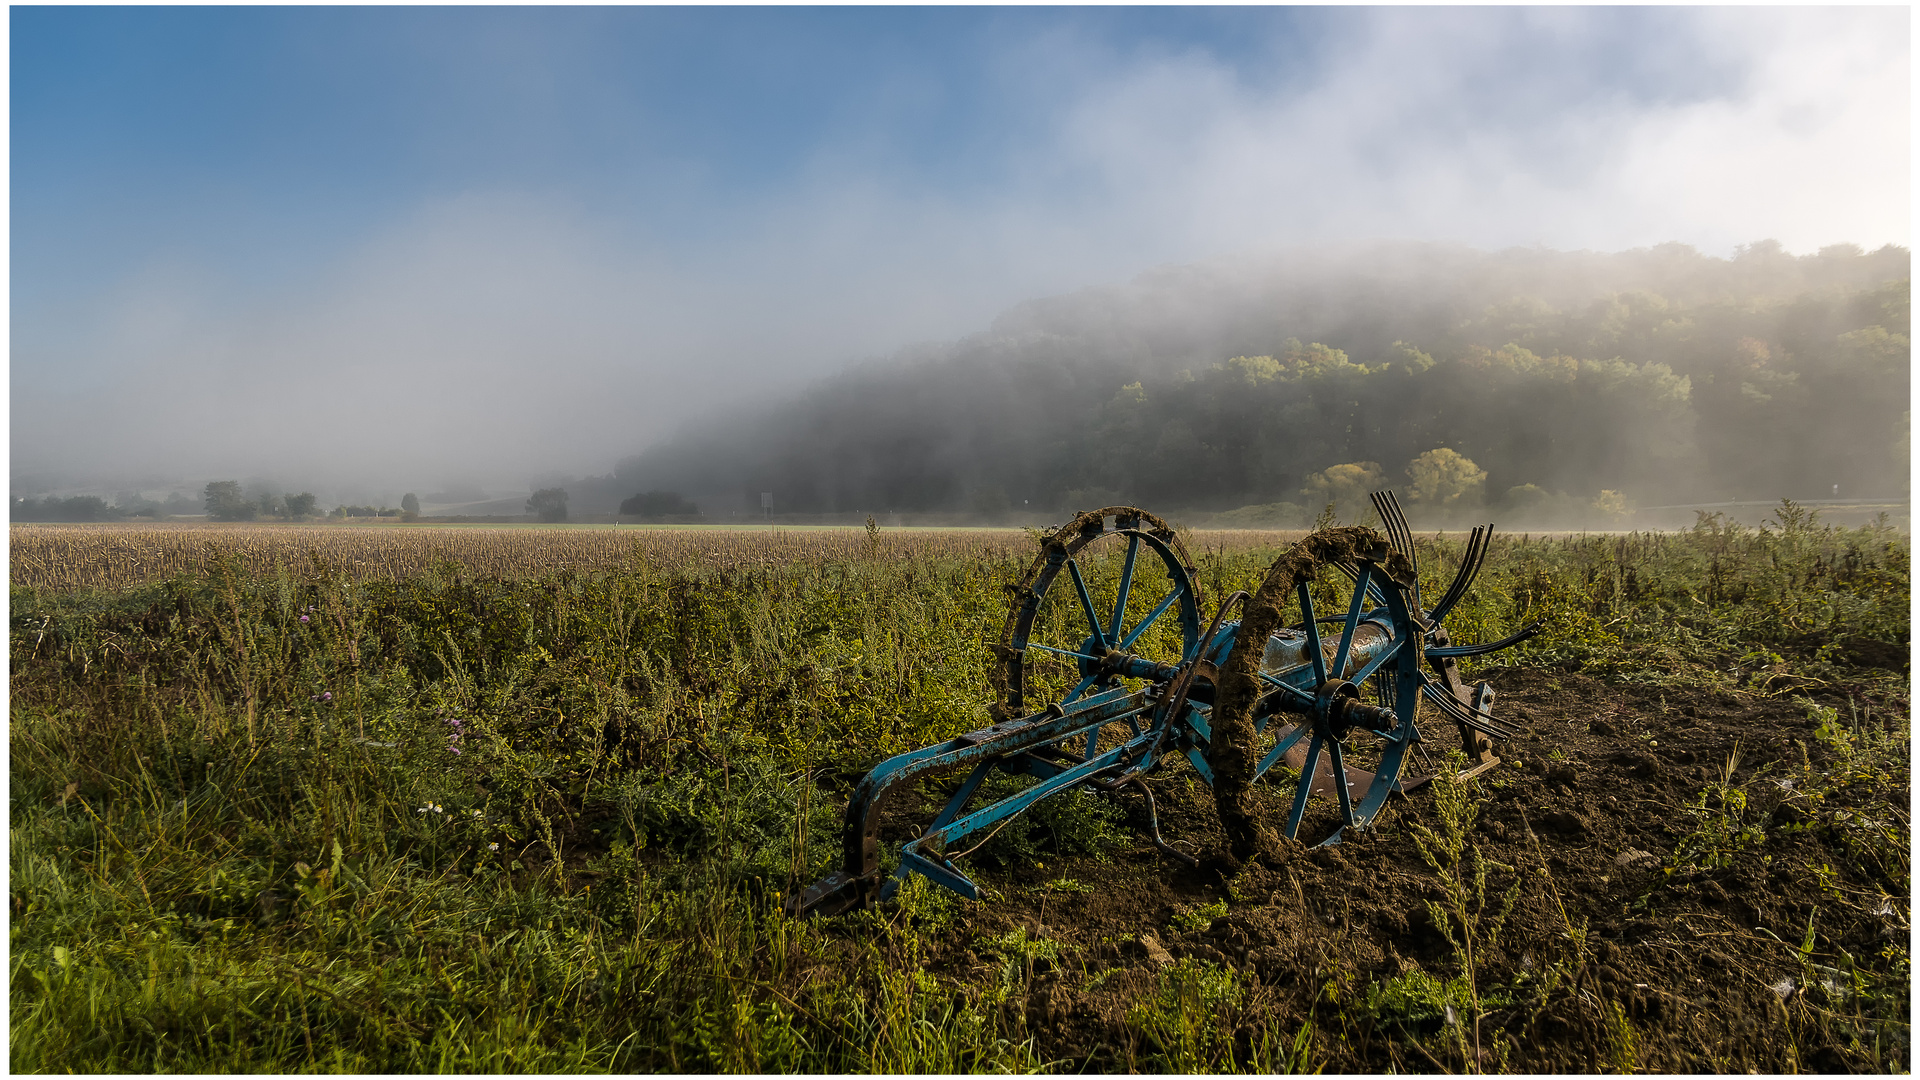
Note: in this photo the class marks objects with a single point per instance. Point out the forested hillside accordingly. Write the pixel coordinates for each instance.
(1579, 381)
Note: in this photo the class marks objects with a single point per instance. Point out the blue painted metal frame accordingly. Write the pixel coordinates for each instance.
(1323, 697)
(1013, 744)
(1027, 744)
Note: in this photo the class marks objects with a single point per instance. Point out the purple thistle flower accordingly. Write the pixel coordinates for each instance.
(328, 696)
(305, 618)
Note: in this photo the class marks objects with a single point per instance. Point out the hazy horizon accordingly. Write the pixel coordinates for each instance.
(382, 250)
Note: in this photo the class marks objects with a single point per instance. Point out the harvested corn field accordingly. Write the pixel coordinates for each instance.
(117, 556)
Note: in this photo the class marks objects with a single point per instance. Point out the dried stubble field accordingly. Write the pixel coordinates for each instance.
(402, 799)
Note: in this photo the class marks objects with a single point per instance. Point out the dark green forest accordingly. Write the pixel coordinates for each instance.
(1578, 381)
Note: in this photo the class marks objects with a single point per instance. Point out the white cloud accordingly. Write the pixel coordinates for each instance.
(1808, 145)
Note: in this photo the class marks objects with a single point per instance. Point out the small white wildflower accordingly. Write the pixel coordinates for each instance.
(493, 847)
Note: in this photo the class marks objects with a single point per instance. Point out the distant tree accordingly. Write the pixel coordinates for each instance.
(301, 505)
(1279, 515)
(1345, 486)
(1612, 506)
(1445, 478)
(77, 508)
(548, 504)
(1526, 497)
(659, 504)
(226, 502)
(410, 503)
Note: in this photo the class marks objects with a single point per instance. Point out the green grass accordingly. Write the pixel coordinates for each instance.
(460, 823)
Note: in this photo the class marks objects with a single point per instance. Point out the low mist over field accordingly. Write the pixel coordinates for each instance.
(1554, 387)
(994, 262)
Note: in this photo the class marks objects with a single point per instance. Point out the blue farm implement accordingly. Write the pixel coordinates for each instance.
(1086, 700)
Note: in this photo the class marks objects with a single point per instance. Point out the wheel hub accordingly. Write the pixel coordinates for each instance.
(1330, 708)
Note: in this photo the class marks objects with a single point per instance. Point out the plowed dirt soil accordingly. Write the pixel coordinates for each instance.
(1684, 970)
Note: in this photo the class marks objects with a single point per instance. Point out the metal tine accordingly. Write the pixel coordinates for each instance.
(1436, 692)
(1478, 545)
(1373, 585)
(1510, 640)
(1461, 714)
(1398, 531)
(1461, 575)
(1478, 723)
(1395, 519)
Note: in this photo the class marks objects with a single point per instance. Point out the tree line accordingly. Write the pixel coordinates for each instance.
(1528, 377)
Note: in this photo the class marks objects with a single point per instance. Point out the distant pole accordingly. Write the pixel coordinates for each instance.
(766, 503)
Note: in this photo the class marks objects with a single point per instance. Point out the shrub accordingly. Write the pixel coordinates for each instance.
(548, 504)
(656, 504)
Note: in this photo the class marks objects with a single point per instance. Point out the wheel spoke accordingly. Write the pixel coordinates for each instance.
(1340, 782)
(1313, 635)
(1063, 652)
(1281, 747)
(1086, 604)
(1353, 620)
(1081, 688)
(1126, 585)
(1373, 665)
(1306, 787)
(1148, 621)
(1384, 781)
(1302, 695)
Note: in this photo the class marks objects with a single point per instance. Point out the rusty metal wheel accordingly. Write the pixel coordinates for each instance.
(1354, 691)
(1110, 585)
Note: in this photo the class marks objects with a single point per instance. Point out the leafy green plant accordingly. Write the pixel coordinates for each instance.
(1720, 826)
(1066, 823)
(1195, 919)
(1463, 915)
(1187, 1021)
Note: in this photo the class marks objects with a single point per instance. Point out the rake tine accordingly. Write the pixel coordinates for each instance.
(1460, 714)
(1454, 711)
(1391, 516)
(1437, 693)
(1400, 533)
(1492, 646)
(1477, 547)
(1458, 586)
(1353, 575)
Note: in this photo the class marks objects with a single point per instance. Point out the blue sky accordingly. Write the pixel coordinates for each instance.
(540, 233)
